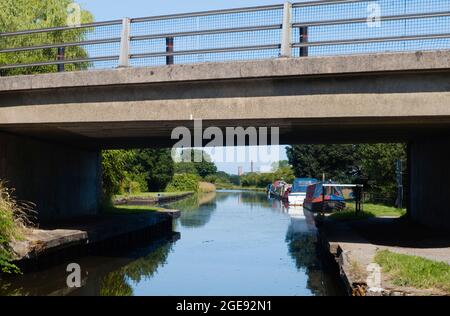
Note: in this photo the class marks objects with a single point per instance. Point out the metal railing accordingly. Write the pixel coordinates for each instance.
(308, 28)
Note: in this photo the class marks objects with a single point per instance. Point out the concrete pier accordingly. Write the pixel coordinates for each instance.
(62, 181)
(430, 183)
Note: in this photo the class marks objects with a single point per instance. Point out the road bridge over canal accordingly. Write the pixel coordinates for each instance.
(54, 125)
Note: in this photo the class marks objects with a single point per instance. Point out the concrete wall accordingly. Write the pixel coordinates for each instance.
(63, 182)
(430, 183)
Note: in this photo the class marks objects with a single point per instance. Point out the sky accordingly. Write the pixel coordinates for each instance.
(111, 10)
(104, 10)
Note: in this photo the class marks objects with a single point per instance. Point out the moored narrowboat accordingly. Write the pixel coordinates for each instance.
(324, 198)
(297, 193)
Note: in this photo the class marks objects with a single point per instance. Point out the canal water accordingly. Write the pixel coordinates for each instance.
(228, 243)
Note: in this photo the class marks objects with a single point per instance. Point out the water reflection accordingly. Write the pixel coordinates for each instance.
(196, 211)
(111, 274)
(233, 243)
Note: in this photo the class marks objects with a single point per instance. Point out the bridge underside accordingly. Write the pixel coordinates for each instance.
(373, 98)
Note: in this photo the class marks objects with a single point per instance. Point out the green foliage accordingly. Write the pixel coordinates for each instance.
(185, 167)
(415, 271)
(369, 210)
(378, 166)
(262, 180)
(14, 217)
(198, 160)
(337, 162)
(134, 183)
(114, 172)
(18, 15)
(158, 166)
(135, 171)
(184, 183)
(223, 178)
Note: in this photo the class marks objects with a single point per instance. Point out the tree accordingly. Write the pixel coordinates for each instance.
(337, 162)
(185, 167)
(18, 15)
(114, 168)
(378, 167)
(201, 161)
(158, 166)
(280, 164)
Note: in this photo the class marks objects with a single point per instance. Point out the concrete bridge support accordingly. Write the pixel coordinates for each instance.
(429, 197)
(63, 182)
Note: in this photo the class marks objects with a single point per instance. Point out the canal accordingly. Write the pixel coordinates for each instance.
(228, 243)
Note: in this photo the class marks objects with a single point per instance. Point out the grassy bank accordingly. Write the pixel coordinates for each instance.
(144, 195)
(13, 220)
(412, 271)
(369, 210)
(227, 186)
(131, 209)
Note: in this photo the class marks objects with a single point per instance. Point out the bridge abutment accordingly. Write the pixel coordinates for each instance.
(429, 196)
(64, 182)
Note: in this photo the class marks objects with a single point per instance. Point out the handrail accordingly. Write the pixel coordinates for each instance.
(283, 41)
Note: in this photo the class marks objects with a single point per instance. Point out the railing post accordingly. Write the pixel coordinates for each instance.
(169, 51)
(286, 32)
(60, 57)
(124, 59)
(304, 40)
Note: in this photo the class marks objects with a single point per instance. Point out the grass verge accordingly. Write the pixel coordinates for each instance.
(370, 210)
(14, 217)
(412, 271)
(149, 195)
(132, 209)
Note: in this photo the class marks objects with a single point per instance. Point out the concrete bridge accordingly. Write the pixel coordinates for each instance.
(53, 126)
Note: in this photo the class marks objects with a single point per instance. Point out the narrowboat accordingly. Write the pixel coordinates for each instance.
(278, 189)
(297, 193)
(322, 197)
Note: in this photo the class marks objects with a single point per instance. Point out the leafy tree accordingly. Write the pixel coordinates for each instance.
(185, 167)
(18, 15)
(114, 164)
(280, 164)
(201, 161)
(184, 183)
(158, 166)
(338, 162)
(378, 168)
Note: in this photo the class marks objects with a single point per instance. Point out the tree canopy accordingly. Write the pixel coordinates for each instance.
(16, 15)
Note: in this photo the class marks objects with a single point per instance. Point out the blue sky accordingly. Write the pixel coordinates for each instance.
(111, 10)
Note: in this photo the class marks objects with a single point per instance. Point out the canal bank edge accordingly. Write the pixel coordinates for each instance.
(38, 243)
(353, 255)
(137, 200)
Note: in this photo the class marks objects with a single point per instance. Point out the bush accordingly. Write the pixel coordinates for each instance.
(13, 219)
(184, 183)
(206, 187)
(134, 183)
